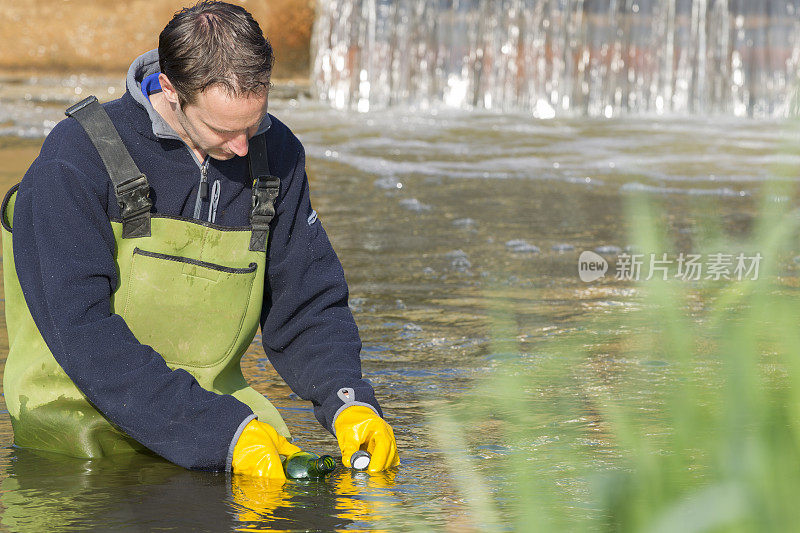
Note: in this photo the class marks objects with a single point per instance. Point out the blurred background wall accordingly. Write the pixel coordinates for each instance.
(103, 36)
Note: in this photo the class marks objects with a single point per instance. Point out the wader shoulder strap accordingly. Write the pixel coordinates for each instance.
(265, 190)
(130, 185)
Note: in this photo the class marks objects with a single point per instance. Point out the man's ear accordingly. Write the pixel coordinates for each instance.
(169, 91)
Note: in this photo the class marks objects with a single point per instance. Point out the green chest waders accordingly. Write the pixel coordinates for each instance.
(174, 273)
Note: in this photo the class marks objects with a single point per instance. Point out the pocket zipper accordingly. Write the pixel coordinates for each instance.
(211, 266)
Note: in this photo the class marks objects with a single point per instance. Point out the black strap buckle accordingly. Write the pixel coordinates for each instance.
(133, 197)
(265, 191)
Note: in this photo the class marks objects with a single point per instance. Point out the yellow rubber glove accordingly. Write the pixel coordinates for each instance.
(258, 451)
(358, 428)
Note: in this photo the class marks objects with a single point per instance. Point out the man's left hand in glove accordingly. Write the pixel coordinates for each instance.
(360, 428)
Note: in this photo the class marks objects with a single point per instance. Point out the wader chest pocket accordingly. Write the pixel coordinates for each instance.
(190, 311)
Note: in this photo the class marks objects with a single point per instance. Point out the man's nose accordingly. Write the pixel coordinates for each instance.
(238, 144)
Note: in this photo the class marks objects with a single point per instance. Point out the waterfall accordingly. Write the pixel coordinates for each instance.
(598, 58)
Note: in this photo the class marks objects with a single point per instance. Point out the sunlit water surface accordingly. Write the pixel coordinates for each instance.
(438, 217)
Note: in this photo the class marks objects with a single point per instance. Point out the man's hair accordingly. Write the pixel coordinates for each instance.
(214, 43)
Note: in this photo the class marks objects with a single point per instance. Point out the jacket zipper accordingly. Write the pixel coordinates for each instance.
(202, 191)
(214, 202)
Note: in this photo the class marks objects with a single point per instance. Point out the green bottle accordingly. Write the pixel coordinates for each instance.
(306, 465)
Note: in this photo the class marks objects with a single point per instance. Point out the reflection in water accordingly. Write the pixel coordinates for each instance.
(345, 500)
(48, 492)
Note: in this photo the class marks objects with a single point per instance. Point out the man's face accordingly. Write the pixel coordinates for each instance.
(220, 124)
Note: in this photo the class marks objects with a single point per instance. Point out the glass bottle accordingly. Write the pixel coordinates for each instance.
(307, 465)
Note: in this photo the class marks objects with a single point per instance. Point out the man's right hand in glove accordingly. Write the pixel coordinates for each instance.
(258, 451)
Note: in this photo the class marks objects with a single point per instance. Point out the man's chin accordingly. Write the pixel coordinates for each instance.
(221, 156)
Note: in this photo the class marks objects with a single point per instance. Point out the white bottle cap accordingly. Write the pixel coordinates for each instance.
(360, 460)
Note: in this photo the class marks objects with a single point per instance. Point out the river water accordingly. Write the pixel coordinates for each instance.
(438, 216)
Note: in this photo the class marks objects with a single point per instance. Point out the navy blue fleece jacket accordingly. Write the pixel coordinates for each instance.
(64, 245)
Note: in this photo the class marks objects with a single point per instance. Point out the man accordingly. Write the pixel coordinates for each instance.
(141, 280)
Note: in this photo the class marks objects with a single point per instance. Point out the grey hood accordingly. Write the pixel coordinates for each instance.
(143, 66)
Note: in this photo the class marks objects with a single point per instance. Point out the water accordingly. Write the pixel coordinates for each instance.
(600, 58)
(439, 217)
